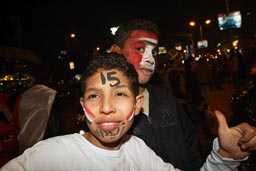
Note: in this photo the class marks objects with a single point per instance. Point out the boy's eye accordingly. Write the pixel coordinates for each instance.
(155, 52)
(140, 49)
(92, 96)
(120, 94)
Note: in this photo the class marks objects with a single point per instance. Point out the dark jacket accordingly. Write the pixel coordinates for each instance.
(169, 131)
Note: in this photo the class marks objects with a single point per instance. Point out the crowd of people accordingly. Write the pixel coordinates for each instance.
(153, 125)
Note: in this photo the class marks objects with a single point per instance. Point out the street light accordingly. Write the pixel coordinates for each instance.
(72, 35)
(201, 44)
(193, 24)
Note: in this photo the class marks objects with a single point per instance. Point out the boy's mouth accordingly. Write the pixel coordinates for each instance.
(108, 126)
(146, 71)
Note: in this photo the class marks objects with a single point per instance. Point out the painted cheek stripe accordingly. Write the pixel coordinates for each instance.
(89, 115)
(130, 116)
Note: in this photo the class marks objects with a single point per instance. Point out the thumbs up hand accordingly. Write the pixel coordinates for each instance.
(235, 142)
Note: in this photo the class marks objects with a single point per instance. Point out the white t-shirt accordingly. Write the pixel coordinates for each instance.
(74, 153)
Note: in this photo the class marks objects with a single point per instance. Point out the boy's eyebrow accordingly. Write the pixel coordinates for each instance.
(97, 89)
(122, 86)
(152, 42)
(91, 89)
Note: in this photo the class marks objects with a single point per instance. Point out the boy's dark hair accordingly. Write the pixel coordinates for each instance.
(107, 62)
(124, 31)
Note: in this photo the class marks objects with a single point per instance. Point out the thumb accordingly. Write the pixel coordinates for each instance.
(221, 121)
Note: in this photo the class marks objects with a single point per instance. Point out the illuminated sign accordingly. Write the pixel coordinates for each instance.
(231, 20)
(202, 44)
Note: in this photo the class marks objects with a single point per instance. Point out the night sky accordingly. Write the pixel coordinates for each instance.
(45, 26)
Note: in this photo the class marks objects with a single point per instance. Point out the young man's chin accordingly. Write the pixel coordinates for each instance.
(143, 81)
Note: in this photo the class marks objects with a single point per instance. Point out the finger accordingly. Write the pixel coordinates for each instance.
(248, 139)
(249, 146)
(221, 121)
(248, 131)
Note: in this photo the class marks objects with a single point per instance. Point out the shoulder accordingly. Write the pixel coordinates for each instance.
(136, 140)
(158, 91)
(50, 154)
(136, 144)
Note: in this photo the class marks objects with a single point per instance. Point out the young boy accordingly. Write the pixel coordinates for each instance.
(110, 101)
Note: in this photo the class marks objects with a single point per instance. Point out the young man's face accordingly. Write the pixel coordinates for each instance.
(109, 105)
(141, 50)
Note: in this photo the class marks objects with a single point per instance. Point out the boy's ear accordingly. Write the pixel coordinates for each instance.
(82, 102)
(115, 48)
(139, 103)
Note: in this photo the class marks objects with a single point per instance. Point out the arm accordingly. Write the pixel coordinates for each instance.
(233, 146)
(235, 142)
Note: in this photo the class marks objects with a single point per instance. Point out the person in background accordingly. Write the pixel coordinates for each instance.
(110, 102)
(176, 78)
(38, 110)
(197, 102)
(7, 140)
(204, 77)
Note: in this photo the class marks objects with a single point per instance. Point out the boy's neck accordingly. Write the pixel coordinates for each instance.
(142, 89)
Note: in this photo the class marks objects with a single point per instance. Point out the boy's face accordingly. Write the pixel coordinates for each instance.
(140, 50)
(109, 105)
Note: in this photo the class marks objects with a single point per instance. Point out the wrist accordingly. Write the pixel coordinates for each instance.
(223, 153)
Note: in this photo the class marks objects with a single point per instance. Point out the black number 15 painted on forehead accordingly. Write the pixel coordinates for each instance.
(110, 77)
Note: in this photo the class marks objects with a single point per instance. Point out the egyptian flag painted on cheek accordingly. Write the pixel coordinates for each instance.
(90, 116)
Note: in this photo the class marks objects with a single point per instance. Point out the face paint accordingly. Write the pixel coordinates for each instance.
(136, 44)
(110, 77)
(148, 60)
(154, 42)
(130, 116)
(88, 113)
(103, 79)
(90, 116)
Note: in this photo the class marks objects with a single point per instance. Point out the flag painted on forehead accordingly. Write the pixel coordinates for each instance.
(110, 77)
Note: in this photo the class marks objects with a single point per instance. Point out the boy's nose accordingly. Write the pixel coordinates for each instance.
(107, 106)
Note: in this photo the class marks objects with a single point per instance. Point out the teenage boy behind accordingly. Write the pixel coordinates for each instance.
(162, 124)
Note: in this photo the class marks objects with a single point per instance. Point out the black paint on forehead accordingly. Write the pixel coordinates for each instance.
(110, 76)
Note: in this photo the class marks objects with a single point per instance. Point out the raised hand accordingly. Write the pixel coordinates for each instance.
(235, 142)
